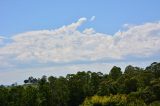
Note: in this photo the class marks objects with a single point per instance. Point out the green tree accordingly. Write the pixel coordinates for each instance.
(115, 73)
(131, 85)
(4, 93)
(155, 68)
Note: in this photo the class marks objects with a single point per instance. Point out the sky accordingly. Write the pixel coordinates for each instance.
(59, 37)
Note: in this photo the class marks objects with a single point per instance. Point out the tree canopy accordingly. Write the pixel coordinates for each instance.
(135, 87)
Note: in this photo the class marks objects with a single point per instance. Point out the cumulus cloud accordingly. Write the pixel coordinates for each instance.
(68, 44)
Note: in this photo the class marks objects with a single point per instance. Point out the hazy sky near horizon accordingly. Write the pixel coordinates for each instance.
(56, 37)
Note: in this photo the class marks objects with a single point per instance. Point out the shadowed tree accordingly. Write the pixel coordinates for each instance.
(115, 73)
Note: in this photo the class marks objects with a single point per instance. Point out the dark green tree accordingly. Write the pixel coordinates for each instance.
(115, 73)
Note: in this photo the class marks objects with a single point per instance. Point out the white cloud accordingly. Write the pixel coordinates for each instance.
(17, 75)
(1, 39)
(67, 44)
(92, 18)
(89, 31)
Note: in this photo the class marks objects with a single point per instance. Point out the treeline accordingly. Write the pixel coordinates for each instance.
(135, 87)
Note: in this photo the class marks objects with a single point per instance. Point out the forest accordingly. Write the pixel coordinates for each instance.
(133, 86)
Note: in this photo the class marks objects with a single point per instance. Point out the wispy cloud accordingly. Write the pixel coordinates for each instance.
(92, 18)
(1, 39)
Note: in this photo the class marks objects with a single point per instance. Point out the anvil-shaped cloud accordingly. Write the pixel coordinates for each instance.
(68, 44)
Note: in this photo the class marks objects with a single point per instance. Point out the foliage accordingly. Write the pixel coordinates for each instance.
(135, 87)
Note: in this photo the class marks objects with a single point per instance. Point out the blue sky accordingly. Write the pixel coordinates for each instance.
(56, 37)
(25, 15)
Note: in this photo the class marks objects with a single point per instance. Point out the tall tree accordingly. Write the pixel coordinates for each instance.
(115, 72)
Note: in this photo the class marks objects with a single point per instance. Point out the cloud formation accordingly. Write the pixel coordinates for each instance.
(1, 39)
(92, 18)
(17, 75)
(68, 44)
